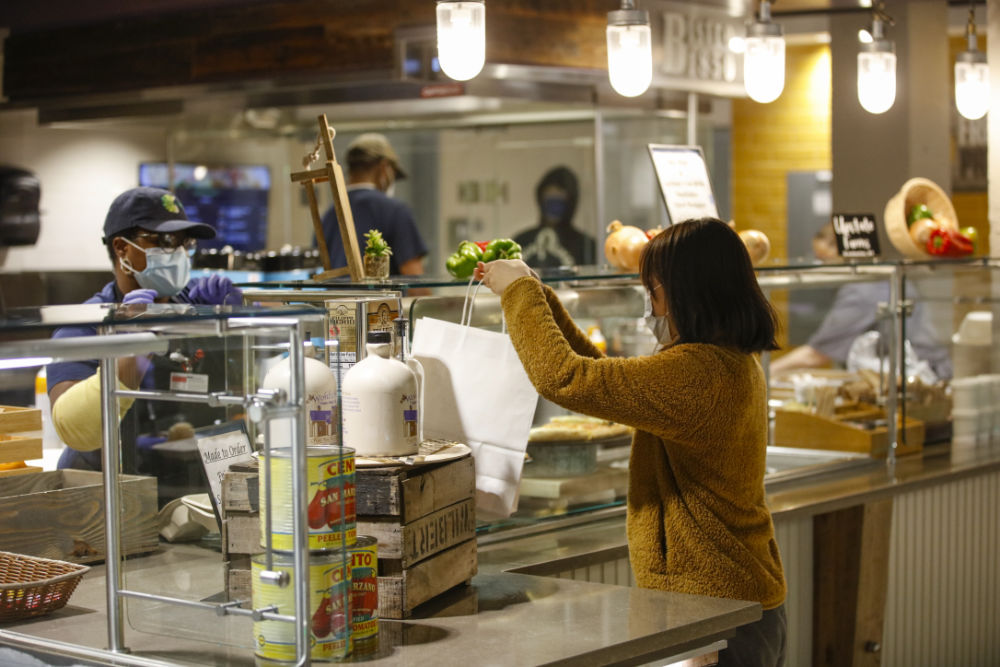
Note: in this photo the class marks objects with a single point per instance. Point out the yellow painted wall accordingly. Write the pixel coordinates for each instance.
(793, 133)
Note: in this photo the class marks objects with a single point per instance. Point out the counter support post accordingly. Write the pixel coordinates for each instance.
(896, 348)
(299, 495)
(110, 457)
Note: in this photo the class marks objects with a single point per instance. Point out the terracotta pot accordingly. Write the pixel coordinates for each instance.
(377, 267)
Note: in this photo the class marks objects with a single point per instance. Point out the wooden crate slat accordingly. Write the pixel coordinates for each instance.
(398, 594)
(241, 534)
(413, 542)
(240, 492)
(19, 448)
(14, 419)
(413, 493)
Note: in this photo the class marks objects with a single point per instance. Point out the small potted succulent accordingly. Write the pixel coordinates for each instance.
(377, 253)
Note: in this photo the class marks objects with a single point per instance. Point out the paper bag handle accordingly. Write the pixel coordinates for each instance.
(470, 300)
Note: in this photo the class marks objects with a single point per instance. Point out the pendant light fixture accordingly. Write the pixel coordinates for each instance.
(630, 50)
(972, 75)
(877, 66)
(461, 35)
(764, 57)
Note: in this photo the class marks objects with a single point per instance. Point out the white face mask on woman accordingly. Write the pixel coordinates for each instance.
(166, 272)
(658, 324)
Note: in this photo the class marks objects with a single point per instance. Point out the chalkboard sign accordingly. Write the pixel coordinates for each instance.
(857, 234)
(684, 182)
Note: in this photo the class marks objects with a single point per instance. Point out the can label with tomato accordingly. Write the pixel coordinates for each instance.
(329, 600)
(331, 510)
(364, 590)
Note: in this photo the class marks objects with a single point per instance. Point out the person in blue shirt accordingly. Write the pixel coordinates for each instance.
(148, 236)
(855, 311)
(372, 170)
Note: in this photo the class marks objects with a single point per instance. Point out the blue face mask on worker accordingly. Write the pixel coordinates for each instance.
(555, 207)
(658, 324)
(167, 271)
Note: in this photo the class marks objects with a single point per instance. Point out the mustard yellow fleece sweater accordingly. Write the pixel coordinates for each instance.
(697, 517)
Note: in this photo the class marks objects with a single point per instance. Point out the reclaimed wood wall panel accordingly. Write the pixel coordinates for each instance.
(280, 40)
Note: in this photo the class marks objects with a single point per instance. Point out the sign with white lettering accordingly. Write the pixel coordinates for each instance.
(684, 182)
(693, 49)
(857, 234)
(219, 447)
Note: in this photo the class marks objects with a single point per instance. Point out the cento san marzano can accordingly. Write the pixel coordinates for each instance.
(364, 591)
(331, 507)
(329, 606)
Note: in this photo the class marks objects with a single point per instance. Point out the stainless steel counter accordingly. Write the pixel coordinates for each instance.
(502, 619)
(828, 487)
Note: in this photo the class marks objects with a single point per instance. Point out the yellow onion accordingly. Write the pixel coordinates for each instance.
(921, 230)
(757, 243)
(624, 246)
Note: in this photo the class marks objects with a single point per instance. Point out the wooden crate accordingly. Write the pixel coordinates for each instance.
(60, 514)
(425, 522)
(423, 517)
(803, 429)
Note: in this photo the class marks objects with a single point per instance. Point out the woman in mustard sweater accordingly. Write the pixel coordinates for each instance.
(698, 521)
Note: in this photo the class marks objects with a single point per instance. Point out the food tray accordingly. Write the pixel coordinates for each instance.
(31, 586)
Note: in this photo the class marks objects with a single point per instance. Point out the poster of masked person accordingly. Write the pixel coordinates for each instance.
(555, 241)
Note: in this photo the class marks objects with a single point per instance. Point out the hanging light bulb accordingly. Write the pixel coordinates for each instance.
(630, 50)
(972, 76)
(764, 57)
(461, 34)
(877, 67)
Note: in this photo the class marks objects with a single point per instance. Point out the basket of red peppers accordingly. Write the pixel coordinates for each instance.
(921, 222)
(463, 261)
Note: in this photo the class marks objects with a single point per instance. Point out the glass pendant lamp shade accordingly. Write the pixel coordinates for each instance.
(972, 75)
(461, 34)
(764, 58)
(972, 87)
(876, 78)
(630, 51)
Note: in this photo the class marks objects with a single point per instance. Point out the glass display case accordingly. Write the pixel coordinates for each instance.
(891, 398)
(202, 373)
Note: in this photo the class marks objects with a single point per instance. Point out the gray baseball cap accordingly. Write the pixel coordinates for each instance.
(376, 145)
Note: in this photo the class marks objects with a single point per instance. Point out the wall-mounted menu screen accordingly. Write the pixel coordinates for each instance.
(233, 199)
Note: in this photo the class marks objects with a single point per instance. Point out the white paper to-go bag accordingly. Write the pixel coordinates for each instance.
(477, 392)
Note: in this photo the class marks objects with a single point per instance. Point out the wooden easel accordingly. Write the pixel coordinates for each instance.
(333, 174)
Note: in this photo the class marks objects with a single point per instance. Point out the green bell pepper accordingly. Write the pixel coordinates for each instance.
(501, 249)
(462, 262)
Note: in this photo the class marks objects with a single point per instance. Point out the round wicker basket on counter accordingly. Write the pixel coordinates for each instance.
(915, 191)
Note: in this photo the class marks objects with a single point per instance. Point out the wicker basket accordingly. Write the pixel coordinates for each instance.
(31, 586)
(915, 191)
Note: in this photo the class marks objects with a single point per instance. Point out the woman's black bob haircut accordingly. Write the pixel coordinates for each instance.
(711, 288)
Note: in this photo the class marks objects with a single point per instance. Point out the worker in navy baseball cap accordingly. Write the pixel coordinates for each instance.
(148, 236)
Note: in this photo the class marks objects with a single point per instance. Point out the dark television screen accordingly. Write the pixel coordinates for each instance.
(233, 199)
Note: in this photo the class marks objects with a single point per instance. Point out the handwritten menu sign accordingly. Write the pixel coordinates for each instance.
(219, 448)
(684, 182)
(857, 234)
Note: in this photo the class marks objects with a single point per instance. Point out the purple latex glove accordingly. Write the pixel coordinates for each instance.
(140, 296)
(214, 290)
